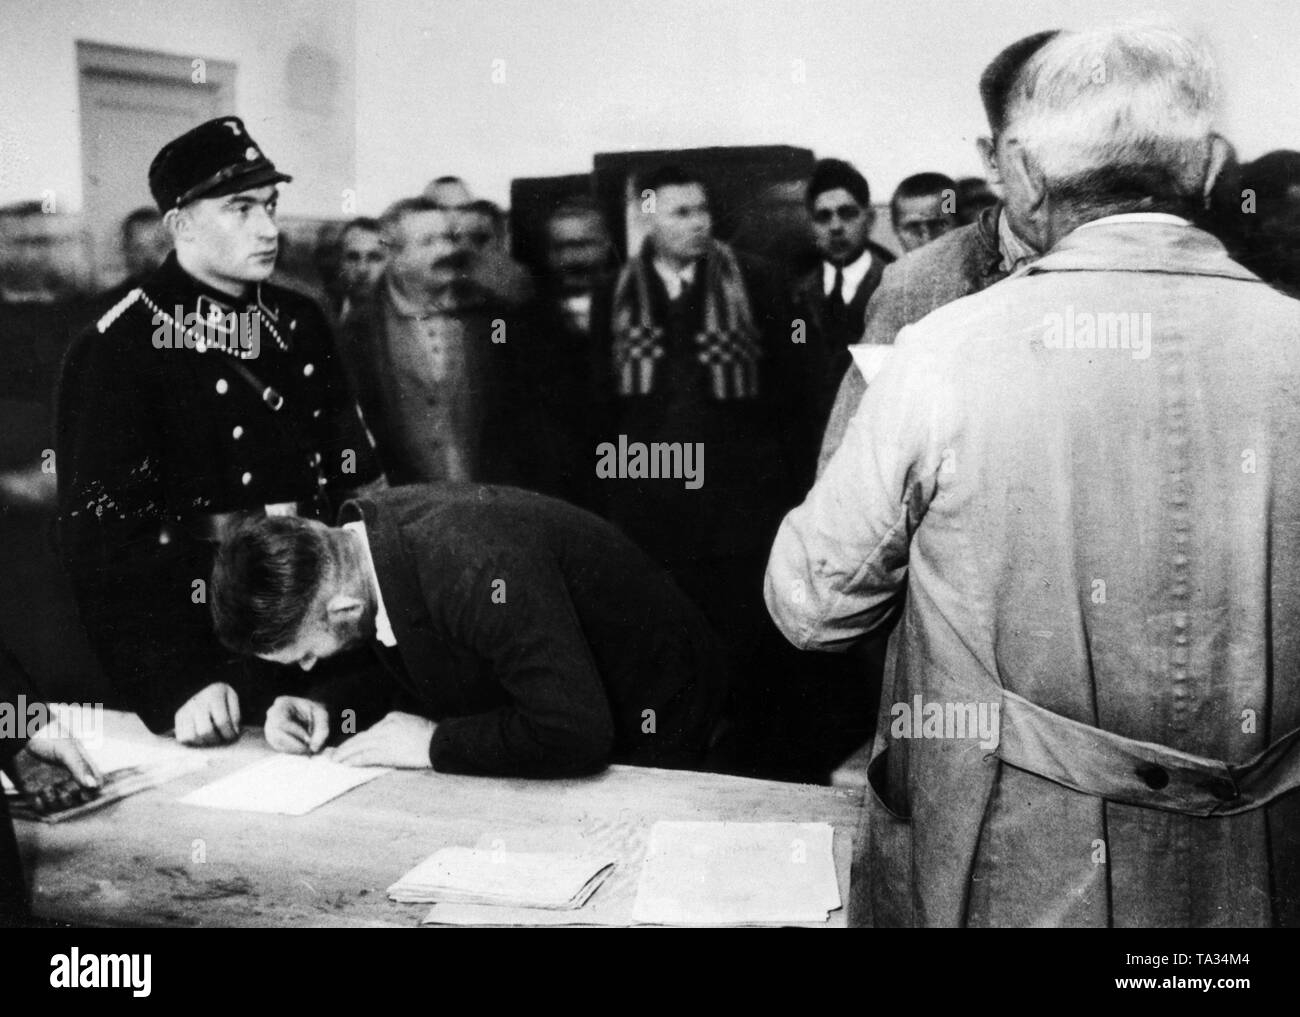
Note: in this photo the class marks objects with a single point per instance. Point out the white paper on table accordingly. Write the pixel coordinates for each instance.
(737, 874)
(510, 878)
(870, 358)
(284, 784)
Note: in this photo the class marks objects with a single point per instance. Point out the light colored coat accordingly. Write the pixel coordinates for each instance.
(1102, 546)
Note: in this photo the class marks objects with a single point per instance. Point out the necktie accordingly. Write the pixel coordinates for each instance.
(835, 302)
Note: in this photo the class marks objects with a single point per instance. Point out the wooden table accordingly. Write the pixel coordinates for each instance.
(150, 861)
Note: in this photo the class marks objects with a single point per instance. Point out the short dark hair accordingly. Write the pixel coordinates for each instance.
(999, 77)
(488, 208)
(836, 174)
(669, 176)
(974, 194)
(921, 185)
(267, 575)
(1271, 176)
(361, 222)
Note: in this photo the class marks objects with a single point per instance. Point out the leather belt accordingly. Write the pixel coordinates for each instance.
(1146, 774)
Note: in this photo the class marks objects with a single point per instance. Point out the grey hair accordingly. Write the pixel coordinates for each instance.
(1122, 114)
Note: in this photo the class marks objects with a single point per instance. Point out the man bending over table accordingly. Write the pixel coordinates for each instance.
(515, 635)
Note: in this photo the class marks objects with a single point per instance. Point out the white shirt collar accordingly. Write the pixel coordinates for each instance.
(1161, 217)
(383, 627)
(854, 273)
(675, 279)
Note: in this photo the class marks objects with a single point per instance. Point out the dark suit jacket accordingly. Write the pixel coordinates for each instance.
(759, 452)
(956, 265)
(833, 338)
(541, 640)
(366, 350)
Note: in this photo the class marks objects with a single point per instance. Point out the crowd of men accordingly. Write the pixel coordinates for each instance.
(530, 520)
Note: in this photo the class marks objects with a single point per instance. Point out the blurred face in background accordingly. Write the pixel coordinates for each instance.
(425, 258)
(42, 257)
(362, 258)
(475, 230)
(145, 244)
(918, 221)
(577, 251)
(840, 226)
(681, 224)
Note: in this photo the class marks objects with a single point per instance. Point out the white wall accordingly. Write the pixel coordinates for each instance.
(39, 117)
(891, 84)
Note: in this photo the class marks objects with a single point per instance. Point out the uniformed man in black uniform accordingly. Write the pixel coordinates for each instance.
(205, 394)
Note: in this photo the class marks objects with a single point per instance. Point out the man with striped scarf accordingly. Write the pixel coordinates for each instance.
(702, 350)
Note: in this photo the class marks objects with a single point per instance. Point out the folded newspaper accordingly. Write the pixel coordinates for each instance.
(460, 875)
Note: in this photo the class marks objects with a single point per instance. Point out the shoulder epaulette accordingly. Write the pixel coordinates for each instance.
(117, 310)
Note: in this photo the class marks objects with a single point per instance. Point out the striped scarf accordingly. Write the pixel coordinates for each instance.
(728, 347)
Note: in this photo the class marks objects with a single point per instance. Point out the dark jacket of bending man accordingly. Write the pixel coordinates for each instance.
(519, 635)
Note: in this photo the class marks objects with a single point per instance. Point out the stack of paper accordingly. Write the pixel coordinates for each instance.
(505, 878)
(127, 766)
(284, 784)
(737, 874)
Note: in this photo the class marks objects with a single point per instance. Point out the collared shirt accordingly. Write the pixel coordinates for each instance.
(1015, 252)
(854, 273)
(383, 627)
(675, 279)
(1161, 217)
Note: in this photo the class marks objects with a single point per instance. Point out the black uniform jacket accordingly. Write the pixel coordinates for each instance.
(152, 441)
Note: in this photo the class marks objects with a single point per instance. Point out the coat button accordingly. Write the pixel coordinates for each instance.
(1153, 775)
(315, 414)
(308, 370)
(237, 433)
(246, 479)
(223, 386)
(315, 460)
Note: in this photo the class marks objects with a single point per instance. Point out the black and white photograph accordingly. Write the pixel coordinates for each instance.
(715, 464)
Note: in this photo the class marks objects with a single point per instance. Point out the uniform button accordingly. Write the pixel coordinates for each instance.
(237, 433)
(246, 479)
(223, 386)
(321, 481)
(315, 414)
(308, 370)
(315, 460)
(1153, 775)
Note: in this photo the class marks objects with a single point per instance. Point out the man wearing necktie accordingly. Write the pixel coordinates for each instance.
(832, 298)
